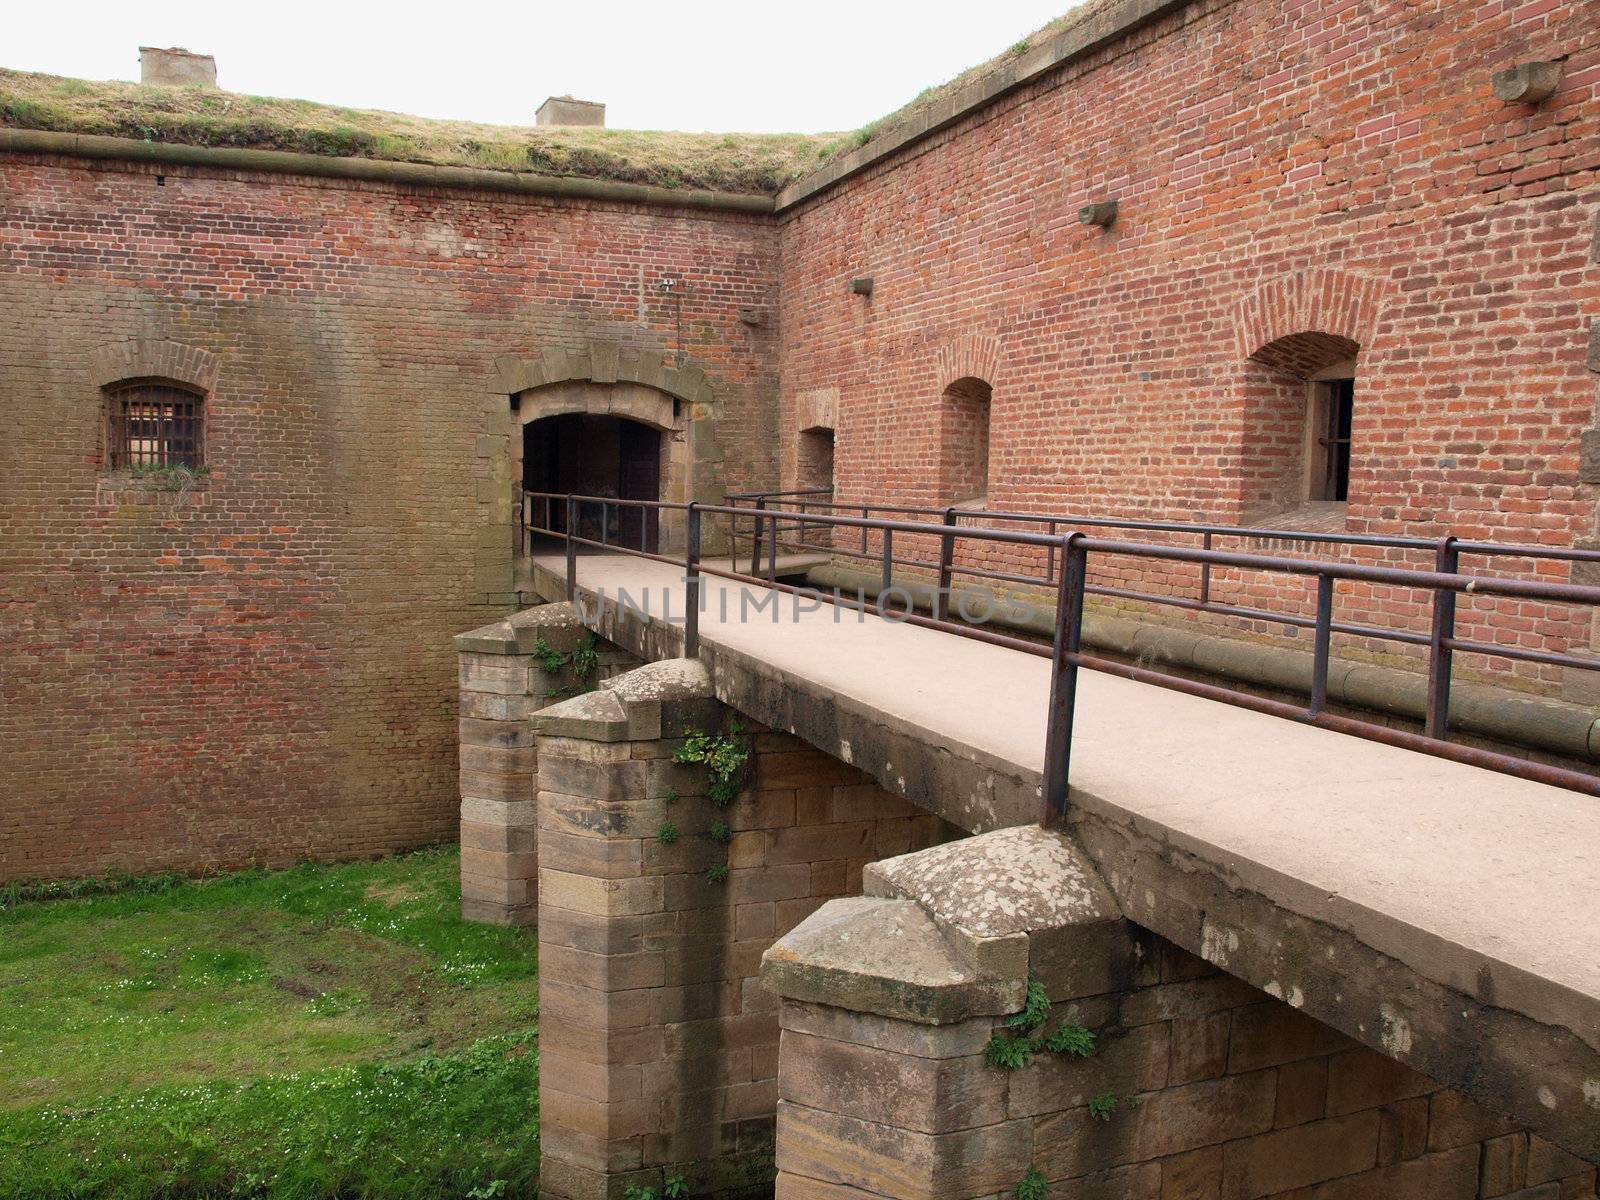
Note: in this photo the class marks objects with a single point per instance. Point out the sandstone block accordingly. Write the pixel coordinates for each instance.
(924, 1094)
(1167, 1122)
(894, 1162)
(1362, 1078)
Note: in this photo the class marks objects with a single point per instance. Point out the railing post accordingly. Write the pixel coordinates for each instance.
(947, 558)
(1205, 572)
(1324, 636)
(1447, 561)
(772, 550)
(1064, 679)
(865, 513)
(572, 547)
(691, 585)
(755, 536)
(886, 579)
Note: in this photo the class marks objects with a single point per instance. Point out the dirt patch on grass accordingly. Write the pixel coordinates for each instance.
(392, 894)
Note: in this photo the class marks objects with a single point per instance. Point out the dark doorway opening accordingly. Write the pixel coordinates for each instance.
(592, 455)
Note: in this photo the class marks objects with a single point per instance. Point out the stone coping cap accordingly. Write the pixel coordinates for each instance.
(1010, 881)
(557, 623)
(668, 698)
(666, 680)
(887, 957)
(594, 717)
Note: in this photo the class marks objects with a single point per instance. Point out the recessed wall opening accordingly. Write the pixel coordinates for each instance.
(815, 460)
(1298, 430)
(964, 442)
(596, 455)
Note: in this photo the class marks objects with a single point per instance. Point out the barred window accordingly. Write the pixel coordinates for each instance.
(156, 425)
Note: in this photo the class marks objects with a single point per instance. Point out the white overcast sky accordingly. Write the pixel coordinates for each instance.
(751, 65)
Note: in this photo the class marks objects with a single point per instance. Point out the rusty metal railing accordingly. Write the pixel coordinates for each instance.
(1068, 554)
(804, 500)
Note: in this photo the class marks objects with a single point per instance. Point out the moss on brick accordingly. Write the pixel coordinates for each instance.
(740, 163)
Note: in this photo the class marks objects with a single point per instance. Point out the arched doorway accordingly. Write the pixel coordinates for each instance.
(598, 454)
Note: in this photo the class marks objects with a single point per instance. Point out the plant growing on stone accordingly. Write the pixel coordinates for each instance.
(1008, 1053)
(174, 477)
(1035, 1009)
(666, 833)
(724, 757)
(1070, 1039)
(583, 662)
(1015, 1046)
(1101, 1107)
(1031, 1186)
(673, 1189)
(586, 659)
(551, 660)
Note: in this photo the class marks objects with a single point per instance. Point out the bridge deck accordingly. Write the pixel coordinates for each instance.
(1480, 882)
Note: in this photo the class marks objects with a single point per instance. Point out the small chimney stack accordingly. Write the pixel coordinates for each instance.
(564, 110)
(176, 67)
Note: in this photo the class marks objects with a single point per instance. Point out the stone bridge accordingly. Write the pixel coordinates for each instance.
(1263, 959)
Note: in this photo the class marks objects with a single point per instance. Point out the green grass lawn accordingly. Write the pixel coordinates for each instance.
(320, 1032)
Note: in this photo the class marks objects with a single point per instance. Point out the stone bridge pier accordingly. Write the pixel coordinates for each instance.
(762, 969)
(658, 895)
(985, 1018)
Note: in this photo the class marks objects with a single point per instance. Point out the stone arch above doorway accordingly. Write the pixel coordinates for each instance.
(632, 401)
(602, 362)
(599, 378)
(610, 439)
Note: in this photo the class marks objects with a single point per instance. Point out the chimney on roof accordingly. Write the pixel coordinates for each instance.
(564, 110)
(176, 67)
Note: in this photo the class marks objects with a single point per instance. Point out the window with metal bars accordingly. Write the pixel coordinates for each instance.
(156, 425)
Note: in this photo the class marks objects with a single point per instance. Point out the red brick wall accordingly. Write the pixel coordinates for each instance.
(263, 669)
(1336, 167)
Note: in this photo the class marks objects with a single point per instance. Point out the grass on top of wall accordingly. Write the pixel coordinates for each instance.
(741, 163)
(1076, 14)
(319, 1032)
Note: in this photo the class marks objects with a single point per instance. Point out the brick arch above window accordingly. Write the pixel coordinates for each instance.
(156, 359)
(1305, 355)
(1333, 308)
(970, 356)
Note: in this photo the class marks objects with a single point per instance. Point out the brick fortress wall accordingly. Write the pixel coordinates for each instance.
(261, 669)
(1337, 169)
